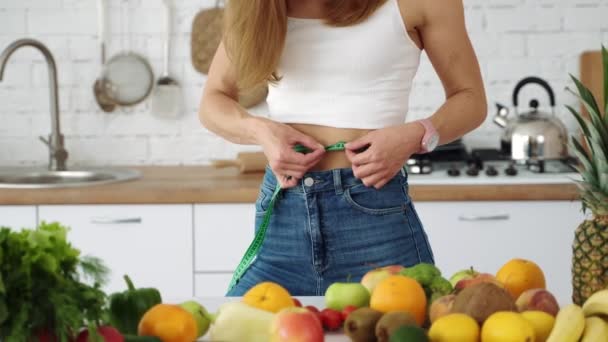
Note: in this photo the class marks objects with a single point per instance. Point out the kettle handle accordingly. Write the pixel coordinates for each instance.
(537, 80)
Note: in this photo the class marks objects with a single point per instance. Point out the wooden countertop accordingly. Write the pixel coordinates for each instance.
(205, 184)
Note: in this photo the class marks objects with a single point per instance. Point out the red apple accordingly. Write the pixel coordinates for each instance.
(108, 333)
(296, 324)
(312, 308)
(373, 277)
(537, 299)
(297, 302)
(347, 310)
(480, 278)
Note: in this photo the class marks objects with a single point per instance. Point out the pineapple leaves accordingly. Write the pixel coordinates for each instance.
(586, 97)
(591, 105)
(581, 122)
(581, 154)
(605, 64)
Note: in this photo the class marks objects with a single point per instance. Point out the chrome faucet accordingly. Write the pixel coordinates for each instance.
(57, 151)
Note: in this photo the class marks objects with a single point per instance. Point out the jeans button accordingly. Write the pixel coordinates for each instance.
(308, 181)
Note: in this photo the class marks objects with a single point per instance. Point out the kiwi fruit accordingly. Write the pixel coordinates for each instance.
(391, 321)
(361, 324)
(481, 300)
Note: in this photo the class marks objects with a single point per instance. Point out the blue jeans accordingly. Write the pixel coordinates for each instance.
(332, 228)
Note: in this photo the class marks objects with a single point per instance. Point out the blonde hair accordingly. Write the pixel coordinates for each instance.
(255, 33)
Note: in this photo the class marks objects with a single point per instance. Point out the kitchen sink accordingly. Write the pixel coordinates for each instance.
(20, 178)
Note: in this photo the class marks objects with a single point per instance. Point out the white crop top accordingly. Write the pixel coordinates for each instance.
(348, 77)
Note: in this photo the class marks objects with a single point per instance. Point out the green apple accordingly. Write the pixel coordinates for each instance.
(340, 295)
(463, 274)
(201, 316)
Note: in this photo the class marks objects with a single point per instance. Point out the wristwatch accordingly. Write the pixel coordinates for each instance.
(430, 139)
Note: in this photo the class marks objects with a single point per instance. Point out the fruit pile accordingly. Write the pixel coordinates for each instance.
(417, 303)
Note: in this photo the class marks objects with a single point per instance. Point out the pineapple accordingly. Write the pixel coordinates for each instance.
(590, 247)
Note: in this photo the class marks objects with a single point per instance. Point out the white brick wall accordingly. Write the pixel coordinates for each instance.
(513, 39)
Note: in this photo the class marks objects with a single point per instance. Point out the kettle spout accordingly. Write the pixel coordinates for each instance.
(501, 115)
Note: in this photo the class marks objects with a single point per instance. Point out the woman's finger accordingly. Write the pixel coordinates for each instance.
(373, 179)
(365, 170)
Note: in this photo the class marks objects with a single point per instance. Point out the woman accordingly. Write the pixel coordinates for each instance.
(339, 70)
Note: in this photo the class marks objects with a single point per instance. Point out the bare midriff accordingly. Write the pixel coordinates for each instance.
(330, 135)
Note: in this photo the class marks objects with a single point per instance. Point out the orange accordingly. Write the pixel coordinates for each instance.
(519, 275)
(268, 296)
(400, 293)
(168, 322)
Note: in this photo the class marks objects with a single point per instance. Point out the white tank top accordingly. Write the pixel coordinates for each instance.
(348, 77)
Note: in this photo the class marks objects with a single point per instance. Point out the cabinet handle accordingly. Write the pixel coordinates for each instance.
(498, 217)
(108, 220)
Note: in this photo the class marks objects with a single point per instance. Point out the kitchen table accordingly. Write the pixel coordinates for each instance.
(213, 303)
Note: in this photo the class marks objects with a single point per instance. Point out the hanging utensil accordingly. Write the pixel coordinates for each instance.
(127, 78)
(105, 103)
(166, 99)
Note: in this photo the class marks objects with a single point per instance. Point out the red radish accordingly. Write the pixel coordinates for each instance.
(332, 319)
(347, 310)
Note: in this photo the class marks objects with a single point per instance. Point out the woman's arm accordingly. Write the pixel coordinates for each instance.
(447, 44)
(221, 113)
(441, 26)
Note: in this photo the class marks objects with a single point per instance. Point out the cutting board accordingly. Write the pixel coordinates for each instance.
(592, 74)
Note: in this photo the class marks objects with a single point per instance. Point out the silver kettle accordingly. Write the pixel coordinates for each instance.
(532, 136)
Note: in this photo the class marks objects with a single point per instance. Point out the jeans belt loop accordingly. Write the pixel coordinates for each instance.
(338, 181)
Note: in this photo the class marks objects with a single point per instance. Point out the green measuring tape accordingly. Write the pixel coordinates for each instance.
(253, 249)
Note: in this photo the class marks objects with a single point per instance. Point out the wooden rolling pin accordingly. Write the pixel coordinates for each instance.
(246, 162)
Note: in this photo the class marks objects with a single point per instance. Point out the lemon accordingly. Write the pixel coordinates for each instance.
(456, 327)
(506, 326)
(542, 323)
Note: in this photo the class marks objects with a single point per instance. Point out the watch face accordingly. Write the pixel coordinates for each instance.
(432, 142)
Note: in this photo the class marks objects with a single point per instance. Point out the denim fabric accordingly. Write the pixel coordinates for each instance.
(333, 230)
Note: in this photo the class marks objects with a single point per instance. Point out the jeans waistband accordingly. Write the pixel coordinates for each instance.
(335, 179)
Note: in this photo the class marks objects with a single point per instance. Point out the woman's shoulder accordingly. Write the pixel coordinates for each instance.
(419, 13)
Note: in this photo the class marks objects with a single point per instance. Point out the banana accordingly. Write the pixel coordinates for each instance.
(597, 304)
(569, 324)
(596, 329)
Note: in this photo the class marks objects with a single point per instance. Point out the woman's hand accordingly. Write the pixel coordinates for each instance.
(278, 141)
(388, 150)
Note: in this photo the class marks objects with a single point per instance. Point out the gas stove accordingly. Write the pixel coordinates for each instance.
(454, 164)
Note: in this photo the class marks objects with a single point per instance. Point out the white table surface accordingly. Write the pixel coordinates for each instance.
(213, 303)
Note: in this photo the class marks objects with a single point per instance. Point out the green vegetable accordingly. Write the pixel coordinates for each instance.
(42, 288)
(423, 273)
(127, 308)
(134, 338)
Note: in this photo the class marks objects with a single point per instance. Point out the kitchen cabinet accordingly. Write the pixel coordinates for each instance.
(211, 284)
(18, 216)
(150, 243)
(488, 234)
(222, 233)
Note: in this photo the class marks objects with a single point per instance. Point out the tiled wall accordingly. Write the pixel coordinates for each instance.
(513, 39)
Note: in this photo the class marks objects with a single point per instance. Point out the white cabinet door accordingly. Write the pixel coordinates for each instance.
(211, 284)
(222, 233)
(150, 243)
(485, 235)
(18, 216)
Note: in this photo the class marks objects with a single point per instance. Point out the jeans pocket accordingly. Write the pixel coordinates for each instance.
(384, 201)
(263, 201)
